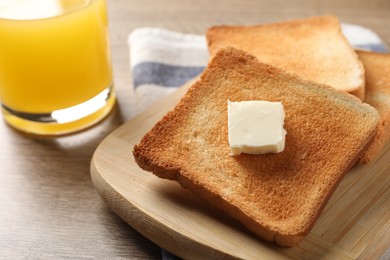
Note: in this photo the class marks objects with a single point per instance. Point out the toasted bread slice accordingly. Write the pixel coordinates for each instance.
(277, 196)
(313, 48)
(377, 67)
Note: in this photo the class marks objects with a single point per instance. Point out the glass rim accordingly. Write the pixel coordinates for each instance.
(78, 8)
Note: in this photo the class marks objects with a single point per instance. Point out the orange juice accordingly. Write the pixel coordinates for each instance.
(54, 55)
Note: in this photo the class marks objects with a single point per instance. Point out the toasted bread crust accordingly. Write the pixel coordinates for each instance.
(277, 196)
(313, 48)
(377, 67)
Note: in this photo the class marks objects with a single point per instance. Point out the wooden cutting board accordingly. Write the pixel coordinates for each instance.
(354, 224)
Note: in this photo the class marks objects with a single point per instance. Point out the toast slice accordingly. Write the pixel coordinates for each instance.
(313, 48)
(277, 196)
(377, 67)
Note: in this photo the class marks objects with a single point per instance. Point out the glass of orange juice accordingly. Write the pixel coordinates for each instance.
(55, 66)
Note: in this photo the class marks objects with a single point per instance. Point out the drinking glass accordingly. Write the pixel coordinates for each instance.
(55, 65)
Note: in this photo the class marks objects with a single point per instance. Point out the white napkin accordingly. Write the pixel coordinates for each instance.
(162, 60)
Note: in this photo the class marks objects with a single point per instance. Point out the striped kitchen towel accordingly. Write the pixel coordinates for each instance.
(162, 60)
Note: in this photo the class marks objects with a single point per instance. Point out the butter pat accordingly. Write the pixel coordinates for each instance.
(256, 127)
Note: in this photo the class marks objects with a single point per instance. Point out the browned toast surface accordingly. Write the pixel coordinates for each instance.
(313, 48)
(377, 67)
(277, 196)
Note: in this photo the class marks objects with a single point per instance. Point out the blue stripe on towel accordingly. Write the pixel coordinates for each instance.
(163, 74)
(376, 47)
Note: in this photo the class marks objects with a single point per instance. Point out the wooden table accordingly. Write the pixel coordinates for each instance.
(48, 206)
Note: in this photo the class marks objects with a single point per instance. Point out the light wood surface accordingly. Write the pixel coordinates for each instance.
(48, 205)
(355, 223)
